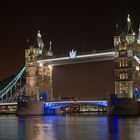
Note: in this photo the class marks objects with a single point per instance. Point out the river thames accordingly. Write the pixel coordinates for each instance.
(70, 127)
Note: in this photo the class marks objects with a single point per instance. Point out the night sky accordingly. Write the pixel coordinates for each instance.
(83, 26)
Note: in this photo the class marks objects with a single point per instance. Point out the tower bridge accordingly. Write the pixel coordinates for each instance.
(40, 60)
(126, 55)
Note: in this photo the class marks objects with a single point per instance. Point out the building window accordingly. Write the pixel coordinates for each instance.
(137, 68)
(120, 64)
(123, 53)
(123, 63)
(124, 88)
(122, 47)
(123, 76)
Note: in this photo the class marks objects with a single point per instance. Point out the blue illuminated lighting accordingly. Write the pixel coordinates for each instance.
(136, 92)
(99, 103)
(115, 125)
(51, 107)
(115, 102)
(21, 120)
(8, 87)
(123, 102)
(43, 96)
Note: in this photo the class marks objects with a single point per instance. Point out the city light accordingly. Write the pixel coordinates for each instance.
(40, 64)
(15, 103)
(137, 68)
(50, 67)
(128, 18)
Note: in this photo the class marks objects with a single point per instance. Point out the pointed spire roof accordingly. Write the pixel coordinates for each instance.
(128, 28)
(43, 54)
(46, 53)
(139, 34)
(123, 36)
(39, 34)
(31, 51)
(117, 30)
(31, 46)
(138, 38)
(50, 52)
(39, 40)
(50, 47)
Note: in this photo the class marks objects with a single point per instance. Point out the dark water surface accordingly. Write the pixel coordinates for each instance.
(70, 127)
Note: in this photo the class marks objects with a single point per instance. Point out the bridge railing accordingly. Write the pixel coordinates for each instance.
(58, 103)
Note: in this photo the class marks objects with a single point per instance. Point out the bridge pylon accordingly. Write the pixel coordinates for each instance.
(38, 75)
(127, 69)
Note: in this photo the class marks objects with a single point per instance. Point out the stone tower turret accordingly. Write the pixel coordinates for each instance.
(127, 75)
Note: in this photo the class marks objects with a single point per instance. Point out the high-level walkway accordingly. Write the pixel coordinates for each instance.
(89, 57)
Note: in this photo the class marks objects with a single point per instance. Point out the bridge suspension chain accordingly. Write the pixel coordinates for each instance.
(4, 93)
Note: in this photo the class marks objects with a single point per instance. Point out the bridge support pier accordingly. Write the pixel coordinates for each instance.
(38, 82)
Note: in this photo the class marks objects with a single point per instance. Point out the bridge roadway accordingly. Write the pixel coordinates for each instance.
(10, 108)
(101, 56)
(98, 102)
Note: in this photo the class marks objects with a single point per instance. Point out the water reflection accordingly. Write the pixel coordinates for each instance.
(125, 128)
(69, 127)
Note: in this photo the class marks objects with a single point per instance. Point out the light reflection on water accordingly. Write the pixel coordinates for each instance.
(70, 127)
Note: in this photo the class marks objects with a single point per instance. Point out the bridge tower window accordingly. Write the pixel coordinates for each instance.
(124, 88)
(122, 47)
(123, 76)
(123, 63)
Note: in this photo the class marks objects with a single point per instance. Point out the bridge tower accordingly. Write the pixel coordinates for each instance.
(38, 75)
(32, 88)
(127, 70)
